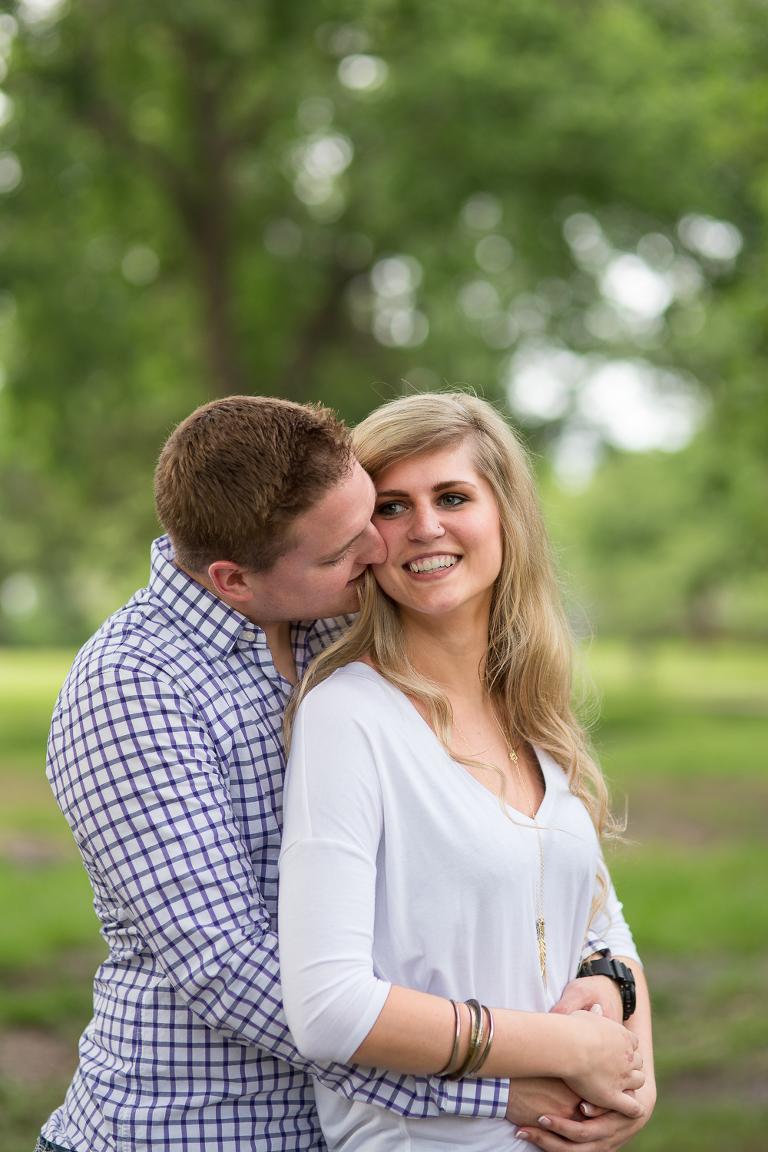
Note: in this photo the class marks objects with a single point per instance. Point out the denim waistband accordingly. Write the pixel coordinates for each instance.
(44, 1145)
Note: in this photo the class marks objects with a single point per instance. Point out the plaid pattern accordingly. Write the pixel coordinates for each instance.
(166, 759)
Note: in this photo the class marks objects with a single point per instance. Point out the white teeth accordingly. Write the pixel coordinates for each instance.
(432, 563)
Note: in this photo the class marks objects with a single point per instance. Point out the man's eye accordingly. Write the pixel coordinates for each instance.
(390, 509)
(340, 559)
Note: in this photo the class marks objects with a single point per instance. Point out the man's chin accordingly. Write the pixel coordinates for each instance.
(348, 601)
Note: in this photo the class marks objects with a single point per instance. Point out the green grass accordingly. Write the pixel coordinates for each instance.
(29, 683)
(683, 736)
(45, 909)
(681, 902)
(45, 899)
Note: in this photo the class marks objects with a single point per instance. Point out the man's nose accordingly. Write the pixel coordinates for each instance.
(374, 550)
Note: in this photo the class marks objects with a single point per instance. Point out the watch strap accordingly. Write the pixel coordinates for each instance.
(614, 970)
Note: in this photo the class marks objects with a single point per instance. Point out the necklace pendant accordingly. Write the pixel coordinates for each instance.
(542, 948)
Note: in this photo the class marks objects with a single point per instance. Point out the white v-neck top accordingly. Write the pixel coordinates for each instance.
(399, 867)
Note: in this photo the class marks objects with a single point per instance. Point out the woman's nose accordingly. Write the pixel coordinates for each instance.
(425, 525)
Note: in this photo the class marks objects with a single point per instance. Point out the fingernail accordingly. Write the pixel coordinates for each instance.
(545, 1121)
(587, 1109)
(521, 1135)
(596, 1008)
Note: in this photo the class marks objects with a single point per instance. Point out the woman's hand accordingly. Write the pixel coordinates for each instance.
(606, 1133)
(603, 1132)
(609, 1065)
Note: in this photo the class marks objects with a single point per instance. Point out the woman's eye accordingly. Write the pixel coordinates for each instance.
(390, 509)
(452, 500)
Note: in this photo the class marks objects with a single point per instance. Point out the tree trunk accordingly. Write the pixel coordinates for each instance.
(220, 343)
(207, 220)
(317, 334)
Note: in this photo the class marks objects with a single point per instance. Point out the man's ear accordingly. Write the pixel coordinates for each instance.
(229, 581)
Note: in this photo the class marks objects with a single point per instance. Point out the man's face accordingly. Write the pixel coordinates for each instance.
(334, 543)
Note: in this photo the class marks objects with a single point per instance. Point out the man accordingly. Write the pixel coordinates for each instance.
(166, 758)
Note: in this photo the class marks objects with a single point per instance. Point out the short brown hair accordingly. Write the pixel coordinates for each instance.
(235, 474)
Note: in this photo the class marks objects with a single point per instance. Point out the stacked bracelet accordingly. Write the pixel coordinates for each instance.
(451, 1065)
(479, 1042)
(486, 1051)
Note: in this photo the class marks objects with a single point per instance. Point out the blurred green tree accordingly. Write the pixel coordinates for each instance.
(202, 198)
(664, 544)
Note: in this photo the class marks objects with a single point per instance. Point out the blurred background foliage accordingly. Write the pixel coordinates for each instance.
(561, 205)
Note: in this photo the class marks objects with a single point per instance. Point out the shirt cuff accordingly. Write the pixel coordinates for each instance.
(488, 1098)
(593, 944)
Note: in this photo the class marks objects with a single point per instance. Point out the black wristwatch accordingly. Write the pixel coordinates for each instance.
(605, 966)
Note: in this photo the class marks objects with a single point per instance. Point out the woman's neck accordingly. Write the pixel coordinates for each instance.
(449, 650)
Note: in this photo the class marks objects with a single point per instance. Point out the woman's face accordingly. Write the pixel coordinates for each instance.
(439, 520)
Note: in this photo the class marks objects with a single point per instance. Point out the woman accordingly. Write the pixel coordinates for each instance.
(442, 811)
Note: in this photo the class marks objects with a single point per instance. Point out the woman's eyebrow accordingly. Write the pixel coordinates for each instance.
(452, 484)
(393, 492)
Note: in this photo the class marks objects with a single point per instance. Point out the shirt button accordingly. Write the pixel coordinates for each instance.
(248, 635)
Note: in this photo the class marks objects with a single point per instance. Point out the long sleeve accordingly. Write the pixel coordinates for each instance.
(142, 783)
(611, 927)
(331, 834)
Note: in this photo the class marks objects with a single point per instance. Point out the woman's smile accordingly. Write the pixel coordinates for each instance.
(431, 565)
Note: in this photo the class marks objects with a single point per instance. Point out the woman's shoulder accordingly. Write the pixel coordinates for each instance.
(353, 702)
(357, 683)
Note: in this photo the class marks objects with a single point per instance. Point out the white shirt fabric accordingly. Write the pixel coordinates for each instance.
(399, 867)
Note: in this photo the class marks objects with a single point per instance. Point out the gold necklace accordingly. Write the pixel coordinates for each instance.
(540, 935)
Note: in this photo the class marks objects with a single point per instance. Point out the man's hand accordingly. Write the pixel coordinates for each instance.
(582, 994)
(606, 1133)
(534, 1096)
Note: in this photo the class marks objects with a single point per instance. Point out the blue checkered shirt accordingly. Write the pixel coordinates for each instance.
(166, 759)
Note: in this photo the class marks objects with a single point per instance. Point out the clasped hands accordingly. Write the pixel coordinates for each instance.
(554, 1117)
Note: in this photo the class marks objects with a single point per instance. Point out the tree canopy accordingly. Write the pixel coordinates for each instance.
(337, 201)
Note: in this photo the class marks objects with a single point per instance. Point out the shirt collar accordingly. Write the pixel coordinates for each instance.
(213, 623)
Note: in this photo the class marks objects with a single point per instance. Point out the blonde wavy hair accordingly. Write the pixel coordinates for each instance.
(528, 667)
